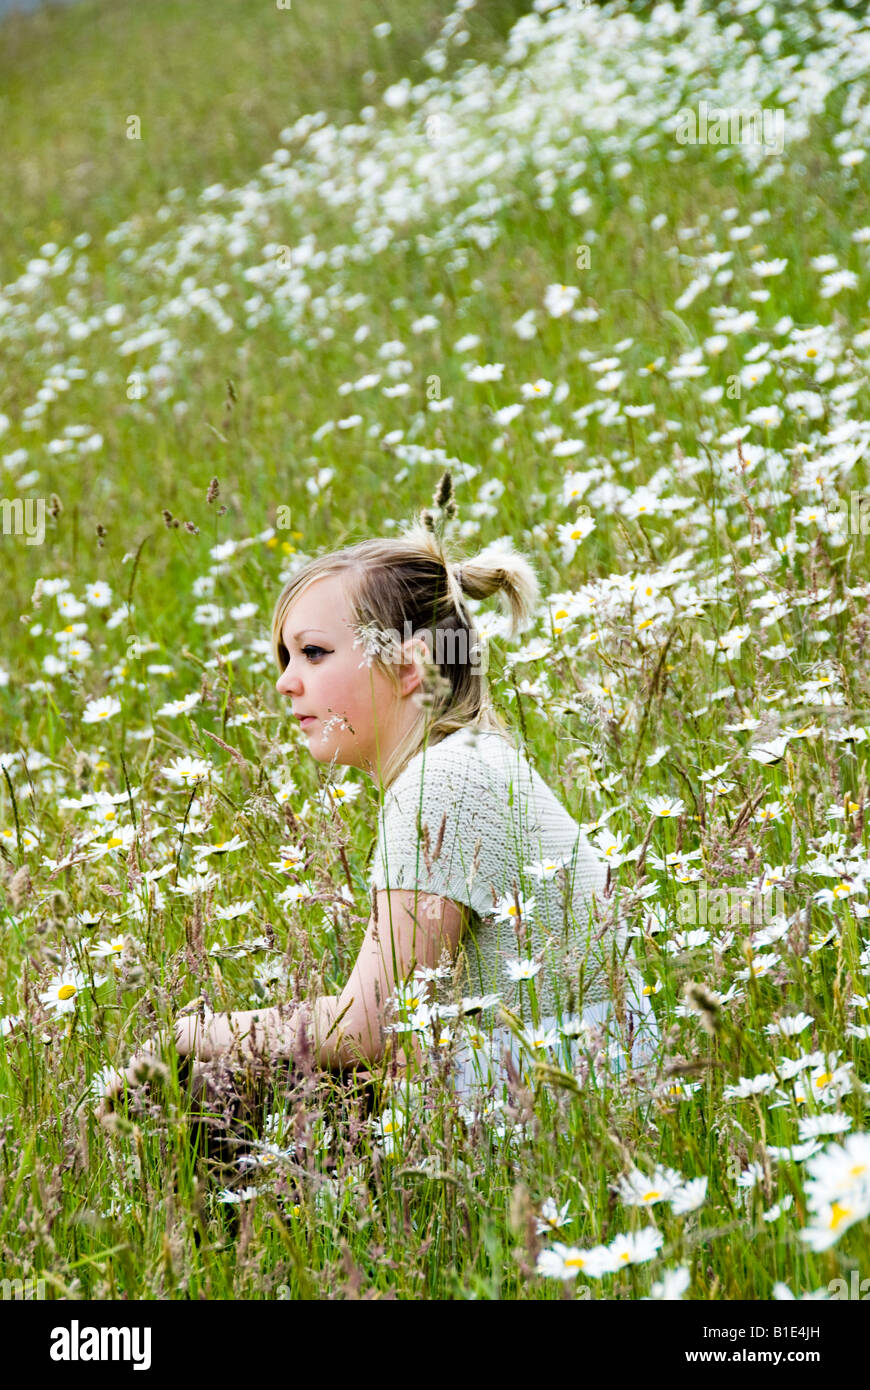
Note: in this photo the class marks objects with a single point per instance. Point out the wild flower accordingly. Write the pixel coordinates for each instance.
(522, 969)
(672, 1285)
(552, 1216)
(511, 908)
(182, 706)
(96, 711)
(61, 995)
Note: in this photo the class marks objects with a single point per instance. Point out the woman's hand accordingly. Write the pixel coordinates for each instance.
(144, 1065)
(203, 1038)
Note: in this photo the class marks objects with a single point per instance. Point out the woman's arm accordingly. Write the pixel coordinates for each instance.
(202, 1038)
(408, 929)
(342, 1030)
(347, 1029)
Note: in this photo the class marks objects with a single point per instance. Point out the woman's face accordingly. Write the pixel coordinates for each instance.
(357, 716)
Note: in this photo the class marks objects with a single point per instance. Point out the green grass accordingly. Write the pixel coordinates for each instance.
(212, 90)
(213, 97)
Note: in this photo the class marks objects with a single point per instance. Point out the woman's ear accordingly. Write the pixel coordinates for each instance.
(413, 656)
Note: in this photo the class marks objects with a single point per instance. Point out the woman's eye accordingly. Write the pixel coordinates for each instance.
(307, 650)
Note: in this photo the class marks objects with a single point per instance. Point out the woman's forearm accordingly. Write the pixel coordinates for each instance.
(275, 1032)
(207, 1037)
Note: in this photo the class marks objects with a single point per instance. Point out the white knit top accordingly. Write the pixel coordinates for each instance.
(500, 810)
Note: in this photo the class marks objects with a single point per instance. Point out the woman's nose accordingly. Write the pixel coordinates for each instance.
(287, 682)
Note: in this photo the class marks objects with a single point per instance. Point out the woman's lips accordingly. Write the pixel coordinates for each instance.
(309, 719)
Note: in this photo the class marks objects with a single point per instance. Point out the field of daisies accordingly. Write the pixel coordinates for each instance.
(609, 265)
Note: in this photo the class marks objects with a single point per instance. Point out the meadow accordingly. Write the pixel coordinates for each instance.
(262, 285)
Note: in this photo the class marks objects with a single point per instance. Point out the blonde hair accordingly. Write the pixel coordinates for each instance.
(409, 579)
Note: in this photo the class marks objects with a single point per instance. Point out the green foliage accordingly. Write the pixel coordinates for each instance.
(651, 693)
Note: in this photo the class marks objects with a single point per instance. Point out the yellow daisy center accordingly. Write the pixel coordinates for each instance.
(838, 1215)
(66, 991)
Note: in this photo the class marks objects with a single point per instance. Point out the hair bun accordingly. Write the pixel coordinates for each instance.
(501, 569)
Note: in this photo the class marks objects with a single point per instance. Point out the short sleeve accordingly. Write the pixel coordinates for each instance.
(440, 829)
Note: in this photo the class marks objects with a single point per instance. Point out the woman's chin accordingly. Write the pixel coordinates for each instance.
(324, 750)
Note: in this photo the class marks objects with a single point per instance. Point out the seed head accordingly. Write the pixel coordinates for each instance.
(704, 1002)
(444, 490)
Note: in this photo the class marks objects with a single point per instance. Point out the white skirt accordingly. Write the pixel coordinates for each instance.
(479, 1063)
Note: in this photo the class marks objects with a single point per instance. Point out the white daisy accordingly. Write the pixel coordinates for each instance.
(567, 1261)
(635, 1248)
(62, 992)
(522, 969)
(665, 805)
(506, 909)
(552, 1217)
(185, 771)
(96, 710)
(672, 1285)
(637, 1190)
(173, 707)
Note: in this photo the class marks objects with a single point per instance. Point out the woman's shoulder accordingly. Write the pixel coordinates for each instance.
(467, 748)
(467, 761)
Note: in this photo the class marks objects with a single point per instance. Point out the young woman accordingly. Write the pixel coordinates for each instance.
(482, 885)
